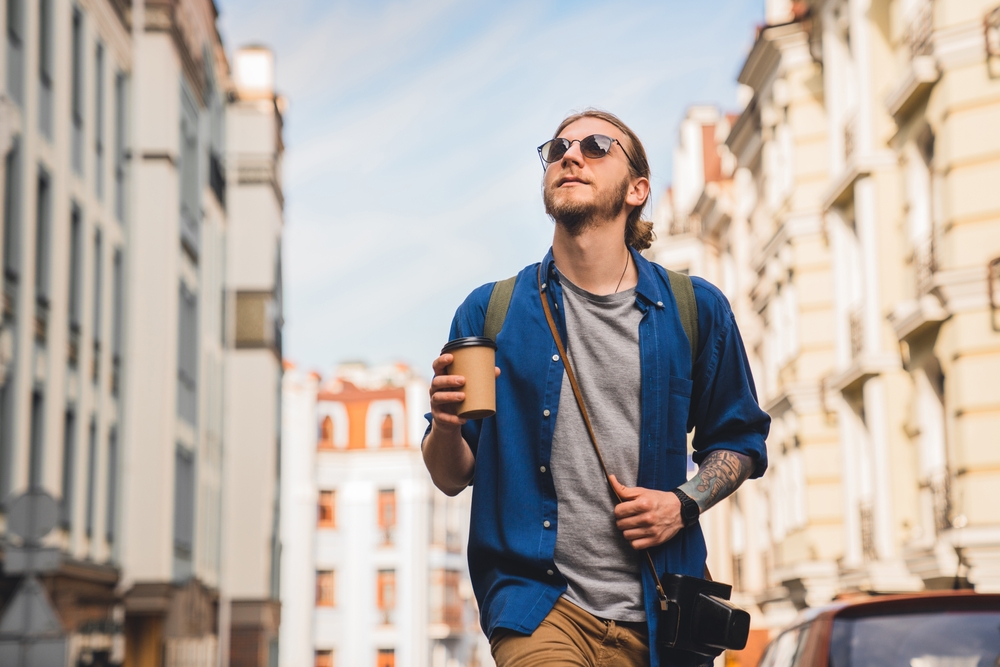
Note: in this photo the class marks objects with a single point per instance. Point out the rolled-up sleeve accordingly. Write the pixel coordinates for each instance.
(724, 411)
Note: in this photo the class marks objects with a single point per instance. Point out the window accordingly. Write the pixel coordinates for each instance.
(387, 512)
(43, 234)
(112, 483)
(45, 68)
(15, 50)
(36, 459)
(324, 659)
(121, 145)
(386, 658)
(325, 588)
(116, 322)
(327, 510)
(183, 504)
(12, 229)
(187, 356)
(69, 469)
(99, 121)
(98, 305)
(387, 431)
(75, 282)
(91, 475)
(326, 433)
(76, 97)
(386, 594)
(190, 204)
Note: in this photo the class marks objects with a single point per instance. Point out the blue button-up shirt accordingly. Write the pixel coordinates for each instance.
(515, 513)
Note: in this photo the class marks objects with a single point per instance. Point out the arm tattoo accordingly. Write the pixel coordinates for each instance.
(719, 475)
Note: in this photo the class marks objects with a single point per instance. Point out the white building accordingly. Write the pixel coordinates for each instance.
(382, 570)
(118, 322)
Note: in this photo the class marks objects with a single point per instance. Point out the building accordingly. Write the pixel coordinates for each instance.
(251, 544)
(866, 242)
(121, 318)
(67, 104)
(380, 572)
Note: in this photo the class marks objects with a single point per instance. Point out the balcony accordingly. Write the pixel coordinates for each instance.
(258, 323)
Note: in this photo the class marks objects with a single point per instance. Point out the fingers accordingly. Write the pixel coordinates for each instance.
(624, 492)
(497, 370)
(442, 363)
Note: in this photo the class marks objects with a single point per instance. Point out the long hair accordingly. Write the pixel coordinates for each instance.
(638, 232)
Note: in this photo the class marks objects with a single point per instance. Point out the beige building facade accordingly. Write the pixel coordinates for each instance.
(848, 213)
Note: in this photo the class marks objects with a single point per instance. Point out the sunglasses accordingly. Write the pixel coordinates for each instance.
(595, 146)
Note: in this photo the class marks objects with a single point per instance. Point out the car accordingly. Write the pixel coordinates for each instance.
(932, 629)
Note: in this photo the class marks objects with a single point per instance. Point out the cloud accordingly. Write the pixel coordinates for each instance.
(411, 173)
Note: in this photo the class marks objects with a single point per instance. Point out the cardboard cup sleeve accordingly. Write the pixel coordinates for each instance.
(475, 359)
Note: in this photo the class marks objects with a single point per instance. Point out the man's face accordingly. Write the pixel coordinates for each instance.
(580, 192)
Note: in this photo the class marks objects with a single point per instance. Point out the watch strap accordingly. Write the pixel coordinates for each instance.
(689, 508)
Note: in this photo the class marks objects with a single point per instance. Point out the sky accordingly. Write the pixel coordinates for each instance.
(411, 175)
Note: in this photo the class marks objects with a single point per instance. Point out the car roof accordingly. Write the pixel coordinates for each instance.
(875, 605)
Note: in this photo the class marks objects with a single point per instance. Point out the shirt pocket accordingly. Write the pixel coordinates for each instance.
(678, 405)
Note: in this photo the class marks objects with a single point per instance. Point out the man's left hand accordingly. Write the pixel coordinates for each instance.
(646, 517)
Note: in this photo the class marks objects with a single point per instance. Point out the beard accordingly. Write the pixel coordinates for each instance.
(577, 217)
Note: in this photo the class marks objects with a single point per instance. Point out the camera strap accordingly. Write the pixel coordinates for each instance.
(661, 594)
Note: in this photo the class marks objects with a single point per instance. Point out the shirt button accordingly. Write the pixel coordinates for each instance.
(555, 357)
(546, 413)
(660, 304)
(543, 285)
(549, 572)
(546, 524)
(542, 468)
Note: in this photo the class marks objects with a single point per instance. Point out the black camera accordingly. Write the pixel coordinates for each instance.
(698, 622)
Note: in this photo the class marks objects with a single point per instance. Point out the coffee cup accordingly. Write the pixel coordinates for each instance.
(474, 359)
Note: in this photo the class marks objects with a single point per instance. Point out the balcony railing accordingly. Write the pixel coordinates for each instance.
(116, 367)
(41, 323)
(918, 32)
(857, 332)
(850, 138)
(941, 500)
(925, 264)
(868, 532)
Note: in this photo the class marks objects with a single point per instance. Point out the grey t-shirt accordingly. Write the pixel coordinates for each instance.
(600, 566)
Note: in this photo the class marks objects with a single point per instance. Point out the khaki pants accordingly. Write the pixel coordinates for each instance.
(572, 637)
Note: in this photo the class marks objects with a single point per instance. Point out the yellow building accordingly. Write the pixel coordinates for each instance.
(853, 221)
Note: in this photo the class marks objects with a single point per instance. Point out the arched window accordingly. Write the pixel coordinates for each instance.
(326, 433)
(387, 431)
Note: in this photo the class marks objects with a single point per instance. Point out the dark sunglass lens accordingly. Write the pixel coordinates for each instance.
(596, 145)
(554, 149)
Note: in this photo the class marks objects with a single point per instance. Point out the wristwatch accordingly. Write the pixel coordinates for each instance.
(689, 508)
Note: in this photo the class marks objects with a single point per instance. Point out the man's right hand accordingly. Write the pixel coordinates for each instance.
(446, 395)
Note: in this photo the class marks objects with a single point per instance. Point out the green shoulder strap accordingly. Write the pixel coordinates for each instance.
(687, 307)
(496, 311)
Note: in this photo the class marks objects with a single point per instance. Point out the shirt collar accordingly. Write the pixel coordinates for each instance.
(647, 287)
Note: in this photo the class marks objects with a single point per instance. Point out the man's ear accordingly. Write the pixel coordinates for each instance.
(638, 192)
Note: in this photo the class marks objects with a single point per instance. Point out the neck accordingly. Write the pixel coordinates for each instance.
(596, 260)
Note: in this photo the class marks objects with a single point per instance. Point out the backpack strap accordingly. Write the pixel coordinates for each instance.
(496, 311)
(687, 307)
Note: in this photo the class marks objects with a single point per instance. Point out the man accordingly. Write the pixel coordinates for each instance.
(556, 564)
